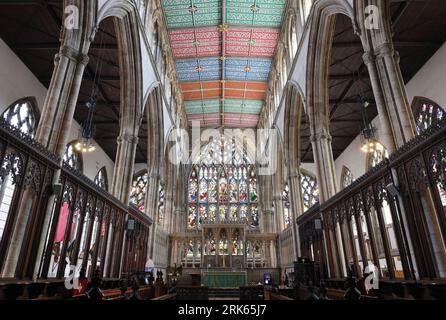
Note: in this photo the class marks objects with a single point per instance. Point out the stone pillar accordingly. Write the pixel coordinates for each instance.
(179, 219)
(326, 176)
(60, 102)
(152, 194)
(297, 207)
(323, 159)
(267, 205)
(124, 163)
(278, 208)
(390, 95)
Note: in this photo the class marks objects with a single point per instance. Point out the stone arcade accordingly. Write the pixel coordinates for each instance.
(100, 178)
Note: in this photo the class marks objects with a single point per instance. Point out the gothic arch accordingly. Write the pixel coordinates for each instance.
(130, 60)
(426, 113)
(322, 26)
(293, 116)
(31, 103)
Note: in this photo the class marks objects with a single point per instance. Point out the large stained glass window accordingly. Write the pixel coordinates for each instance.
(427, 114)
(222, 187)
(286, 205)
(310, 191)
(139, 189)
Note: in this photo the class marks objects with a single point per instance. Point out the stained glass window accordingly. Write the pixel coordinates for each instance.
(161, 205)
(139, 189)
(427, 114)
(22, 116)
(310, 191)
(222, 186)
(72, 157)
(101, 179)
(346, 177)
(376, 157)
(286, 205)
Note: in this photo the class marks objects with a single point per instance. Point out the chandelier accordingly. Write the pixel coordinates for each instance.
(370, 144)
(85, 144)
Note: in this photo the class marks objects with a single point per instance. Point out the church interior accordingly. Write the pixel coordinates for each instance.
(222, 149)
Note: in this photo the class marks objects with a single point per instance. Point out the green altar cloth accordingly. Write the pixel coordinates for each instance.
(225, 279)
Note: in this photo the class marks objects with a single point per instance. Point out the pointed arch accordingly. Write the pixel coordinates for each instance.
(323, 19)
(24, 115)
(346, 177)
(73, 157)
(101, 179)
(426, 113)
(139, 190)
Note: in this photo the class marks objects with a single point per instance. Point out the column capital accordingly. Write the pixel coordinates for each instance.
(368, 58)
(318, 136)
(128, 138)
(72, 54)
(384, 49)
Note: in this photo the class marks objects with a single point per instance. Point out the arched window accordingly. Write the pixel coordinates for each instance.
(101, 179)
(72, 157)
(378, 155)
(222, 187)
(161, 205)
(346, 177)
(310, 191)
(426, 113)
(23, 115)
(286, 205)
(139, 189)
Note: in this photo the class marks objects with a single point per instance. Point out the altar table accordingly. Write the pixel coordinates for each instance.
(225, 279)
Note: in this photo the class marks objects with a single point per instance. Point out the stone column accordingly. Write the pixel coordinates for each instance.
(60, 102)
(267, 205)
(278, 208)
(124, 163)
(323, 159)
(297, 207)
(326, 176)
(52, 132)
(390, 95)
(151, 201)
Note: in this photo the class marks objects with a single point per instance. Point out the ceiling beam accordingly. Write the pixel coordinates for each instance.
(346, 90)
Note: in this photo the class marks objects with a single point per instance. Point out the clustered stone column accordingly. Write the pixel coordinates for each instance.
(397, 126)
(124, 164)
(323, 159)
(297, 207)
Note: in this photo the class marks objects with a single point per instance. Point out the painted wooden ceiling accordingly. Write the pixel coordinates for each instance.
(223, 50)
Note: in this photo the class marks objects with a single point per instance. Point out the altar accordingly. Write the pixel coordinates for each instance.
(225, 279)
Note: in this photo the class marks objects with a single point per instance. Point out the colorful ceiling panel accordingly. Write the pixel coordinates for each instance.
(199, 42)
(223, 50)
(248, 42)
